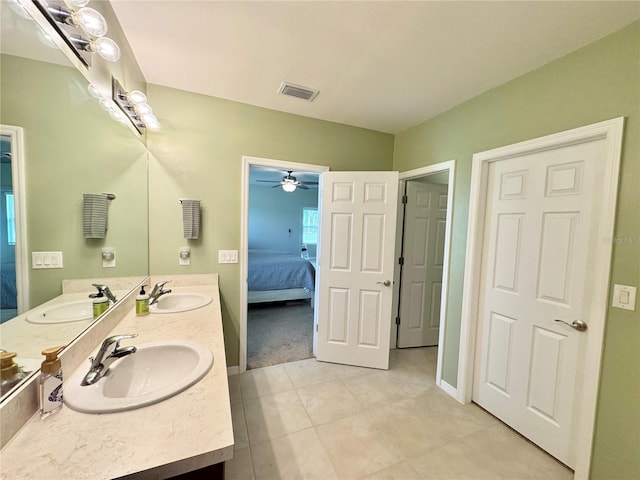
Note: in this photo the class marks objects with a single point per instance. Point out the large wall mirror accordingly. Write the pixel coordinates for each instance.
(70, 147)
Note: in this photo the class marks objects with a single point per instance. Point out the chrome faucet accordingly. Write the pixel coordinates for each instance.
(109, 352)
(105, 291)
(158, 291)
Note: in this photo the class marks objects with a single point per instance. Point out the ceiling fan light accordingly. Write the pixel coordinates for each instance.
(289, 187)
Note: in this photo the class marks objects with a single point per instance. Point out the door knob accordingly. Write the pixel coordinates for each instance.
(386, 283)
(579, 325)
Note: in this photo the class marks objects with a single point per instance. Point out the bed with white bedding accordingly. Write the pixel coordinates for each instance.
(275, 276)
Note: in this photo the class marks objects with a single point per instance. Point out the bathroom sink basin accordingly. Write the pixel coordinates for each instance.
(180, 302)
(155, 372)
(62, 312)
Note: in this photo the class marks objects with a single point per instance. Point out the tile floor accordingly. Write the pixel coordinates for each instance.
(314, 420)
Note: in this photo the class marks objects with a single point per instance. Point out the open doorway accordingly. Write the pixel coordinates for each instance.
(423, 247)
(14, 284)
(279, 237)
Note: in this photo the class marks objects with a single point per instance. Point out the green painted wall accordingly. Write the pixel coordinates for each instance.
(598, 82)
(198, 154)
(71, 147)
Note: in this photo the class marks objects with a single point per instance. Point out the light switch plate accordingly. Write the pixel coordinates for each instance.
(46, 260)
(624, 296)
(227, 256)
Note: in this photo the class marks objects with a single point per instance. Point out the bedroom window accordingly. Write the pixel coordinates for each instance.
(11, 219)
(309, 226)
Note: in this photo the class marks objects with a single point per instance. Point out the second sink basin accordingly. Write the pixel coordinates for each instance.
(155, 372)
(180, 302)
(62, 312)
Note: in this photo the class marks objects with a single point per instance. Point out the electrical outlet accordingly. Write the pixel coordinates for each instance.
(108, 257)
(227, 256)
(184, 255)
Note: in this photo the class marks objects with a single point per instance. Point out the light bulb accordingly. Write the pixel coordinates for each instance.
(106, 104)
(142, 109)
(94, 92)
(91, 21)
(136, 96)
(117, 115)
(289, 187)
(106, 48)
(153, 126)
(148, 118)
(76, 3)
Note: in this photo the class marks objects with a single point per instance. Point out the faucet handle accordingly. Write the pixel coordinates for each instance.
(116, 339)
(99, 286)
(162, 284)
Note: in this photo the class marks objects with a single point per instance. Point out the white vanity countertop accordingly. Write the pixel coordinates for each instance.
(186, 432)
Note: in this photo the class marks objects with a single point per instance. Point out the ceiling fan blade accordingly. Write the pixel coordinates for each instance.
(276, 186)
(309, 183)
(303, 187)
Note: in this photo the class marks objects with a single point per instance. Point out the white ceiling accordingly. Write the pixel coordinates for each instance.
(382, 65)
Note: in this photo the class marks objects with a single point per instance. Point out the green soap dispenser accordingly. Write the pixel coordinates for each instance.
(100, 304)
(142, 302)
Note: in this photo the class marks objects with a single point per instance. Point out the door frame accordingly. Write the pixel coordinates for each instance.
(18, 179)
(449, 167)
(247, 163)
(611, 131)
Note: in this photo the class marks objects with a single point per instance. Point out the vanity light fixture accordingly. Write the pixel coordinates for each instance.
(83, 30)
(134, 105)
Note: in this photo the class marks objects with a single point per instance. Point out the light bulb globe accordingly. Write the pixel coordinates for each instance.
(91, 21)
(136, 97)
(143, 109)
(107, 49)
(289, 187)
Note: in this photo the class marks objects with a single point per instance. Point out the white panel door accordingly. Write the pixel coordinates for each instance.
(538, 252)
(358, 219)
(423, 253)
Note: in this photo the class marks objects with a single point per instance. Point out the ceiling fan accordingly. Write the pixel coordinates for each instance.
(289, 183)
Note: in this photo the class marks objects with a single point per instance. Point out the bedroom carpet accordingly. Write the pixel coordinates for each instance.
(279, 332)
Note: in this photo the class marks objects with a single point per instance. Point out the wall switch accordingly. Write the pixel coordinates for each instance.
(624, 296)
(227, 256)
(108, 257)
(184, 255)
(46, 260)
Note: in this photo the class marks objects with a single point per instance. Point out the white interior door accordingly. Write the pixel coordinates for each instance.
(354, 293)
(423, 253)
(537, 260)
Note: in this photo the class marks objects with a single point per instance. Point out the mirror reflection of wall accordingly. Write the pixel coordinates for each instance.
(73, 147)
(70, 147)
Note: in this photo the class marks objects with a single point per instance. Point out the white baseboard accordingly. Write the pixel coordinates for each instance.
(449, 390)
(233, 370)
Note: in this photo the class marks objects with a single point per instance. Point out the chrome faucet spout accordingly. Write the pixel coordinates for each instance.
(158, 291)
(104, 289)
(109, 352)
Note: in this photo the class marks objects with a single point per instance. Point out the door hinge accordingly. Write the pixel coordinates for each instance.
(397, 320)
(401, 261)
(405, 199)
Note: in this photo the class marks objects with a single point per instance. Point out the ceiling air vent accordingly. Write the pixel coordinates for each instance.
(292, 90)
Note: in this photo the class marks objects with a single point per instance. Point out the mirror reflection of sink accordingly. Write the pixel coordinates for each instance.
(62, 312)
(180, 302)
(155, 372)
